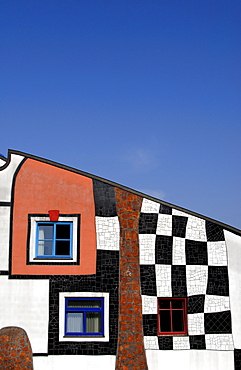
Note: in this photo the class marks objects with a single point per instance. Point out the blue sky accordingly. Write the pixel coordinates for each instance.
(143, 93)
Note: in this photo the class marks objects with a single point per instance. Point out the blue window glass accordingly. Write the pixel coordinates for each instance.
(54, 240)
(84, 316)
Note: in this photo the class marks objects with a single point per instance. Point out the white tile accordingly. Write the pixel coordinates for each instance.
(164, 224)
(147, 248)
(219, 342)
(149, 305)
(196, 324)
(197, 277)
(108, 233)
(214, 303)
(151, 342)
(176, 212)
(181, 343)
(163, 280)
(217, 253)
(178, 251)
(196, 229)
(148, 206)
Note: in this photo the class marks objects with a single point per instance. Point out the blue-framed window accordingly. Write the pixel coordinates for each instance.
(84, 316)
(54, 240)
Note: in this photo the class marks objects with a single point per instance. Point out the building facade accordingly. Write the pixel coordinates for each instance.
(103, 276)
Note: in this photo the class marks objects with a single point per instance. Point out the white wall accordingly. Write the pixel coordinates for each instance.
(190, 360)
(6, 177)
(233, 243)
(2, 162)
(4, 237)
(74, 362)
(25, 303)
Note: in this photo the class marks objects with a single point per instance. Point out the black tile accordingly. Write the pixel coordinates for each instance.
(196, 252)
(105, 202)
(179, 224)
(148, 223)
(195, 304)
(218, 281)
(165, 209)
(179, 285)
(165, 342)
(237, 359)
(214, 232)
(218, 322)
(150, 324)
(197, 342)
(163, 249)
(148, 280)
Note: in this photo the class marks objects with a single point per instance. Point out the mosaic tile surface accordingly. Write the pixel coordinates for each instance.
(237, 359)
(148, 206)
(219, 342)
(164, 224)
(151, 342)
(105, 280)
(196, 324)
(190, 261)
(147, 248)
(105, 202)
(149, 305)
(178, 251)
(108, 233)
(181, 343)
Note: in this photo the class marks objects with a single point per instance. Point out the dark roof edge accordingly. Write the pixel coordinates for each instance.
(2, 157)
(72, 169)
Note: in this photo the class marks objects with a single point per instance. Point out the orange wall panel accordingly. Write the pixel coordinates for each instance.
(40, 187)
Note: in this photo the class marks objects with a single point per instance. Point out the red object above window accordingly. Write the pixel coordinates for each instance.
(172, 316)
(54, 215)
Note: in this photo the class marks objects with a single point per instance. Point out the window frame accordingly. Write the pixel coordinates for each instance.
(54, 240)
(104, 337)
(85, 310)
(33, 219)
(171, 309)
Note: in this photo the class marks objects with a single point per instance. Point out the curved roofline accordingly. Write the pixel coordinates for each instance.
(3, 158)
(143, 195)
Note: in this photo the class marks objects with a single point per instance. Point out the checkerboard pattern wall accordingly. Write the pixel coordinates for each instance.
(184, 256)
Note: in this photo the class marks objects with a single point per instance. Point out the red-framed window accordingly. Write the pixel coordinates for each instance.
(172, 316)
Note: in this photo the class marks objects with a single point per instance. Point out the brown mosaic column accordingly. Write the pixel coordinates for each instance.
(15, 349)
(130, 352)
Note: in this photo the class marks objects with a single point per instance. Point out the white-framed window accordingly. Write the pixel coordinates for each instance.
(84, 317)
(53, 241)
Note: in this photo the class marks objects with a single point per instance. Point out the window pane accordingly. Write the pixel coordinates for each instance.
(84, 303)
(45, 231)
(44, 248)
(178, 303)
(62, 231)
(93, 322)
(165, 322)
(177, 321)
(164, 303)
(62, 248)
(75, 322)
